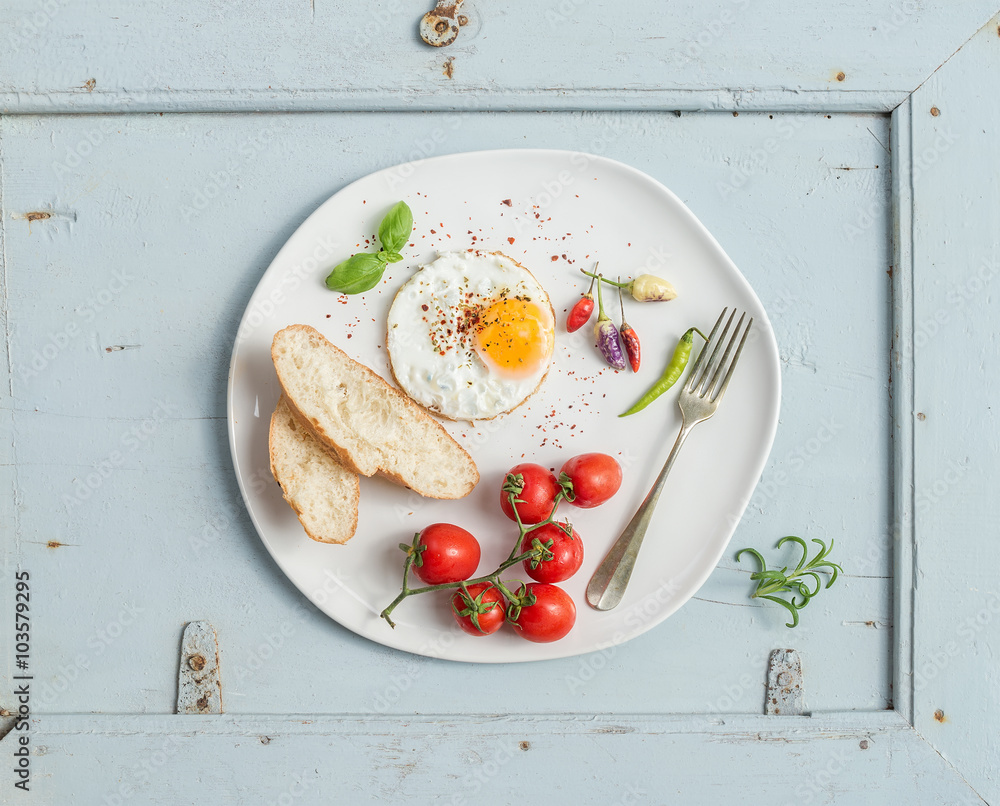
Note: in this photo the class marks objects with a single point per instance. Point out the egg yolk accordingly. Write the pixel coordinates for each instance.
(515, 336)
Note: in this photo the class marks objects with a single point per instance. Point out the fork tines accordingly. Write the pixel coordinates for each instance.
(704, 379)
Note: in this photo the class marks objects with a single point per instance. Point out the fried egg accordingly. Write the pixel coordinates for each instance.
(470, 335)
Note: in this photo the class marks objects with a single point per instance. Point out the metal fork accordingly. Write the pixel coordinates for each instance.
(699, 398)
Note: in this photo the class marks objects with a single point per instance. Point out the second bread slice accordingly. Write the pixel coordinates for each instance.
(323, 494)
(370, 426)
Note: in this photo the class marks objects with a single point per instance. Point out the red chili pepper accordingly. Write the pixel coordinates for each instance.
(580, 313)
(629, 337)
(631, 342)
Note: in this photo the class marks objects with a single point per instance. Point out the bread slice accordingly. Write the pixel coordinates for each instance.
(323, 493)
(368, 425)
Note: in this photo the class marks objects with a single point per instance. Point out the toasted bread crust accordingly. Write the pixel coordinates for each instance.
(351, 508)
(324, 439)
(341, 452)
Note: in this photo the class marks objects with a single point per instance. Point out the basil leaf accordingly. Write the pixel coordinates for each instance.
(356, 274)
(395, 229)
(390, 257)
(383, 256)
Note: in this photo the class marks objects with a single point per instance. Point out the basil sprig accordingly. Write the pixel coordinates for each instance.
(362, 271)
(395, 229)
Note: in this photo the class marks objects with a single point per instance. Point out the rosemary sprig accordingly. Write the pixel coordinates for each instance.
(772, 583)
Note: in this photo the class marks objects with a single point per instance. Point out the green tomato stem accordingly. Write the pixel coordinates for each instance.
(493, 578)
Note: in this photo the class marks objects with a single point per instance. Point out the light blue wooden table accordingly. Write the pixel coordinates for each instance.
(153, 159)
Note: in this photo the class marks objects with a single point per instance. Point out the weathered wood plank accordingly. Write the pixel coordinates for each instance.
(330, 54)
(956, 207)
(901, 368)
(125, 459)
(855, 760)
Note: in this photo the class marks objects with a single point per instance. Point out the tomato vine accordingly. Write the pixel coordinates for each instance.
(539, 552)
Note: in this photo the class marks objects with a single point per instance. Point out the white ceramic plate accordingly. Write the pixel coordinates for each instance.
(566, 209)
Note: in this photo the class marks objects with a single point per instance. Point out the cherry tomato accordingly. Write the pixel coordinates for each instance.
(540, 490)
(595, 476)
(566, 550)
(449, 554)
(481, 610)
(549, 618)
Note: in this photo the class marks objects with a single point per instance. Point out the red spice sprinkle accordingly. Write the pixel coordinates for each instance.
(507, 202)
(349, 335)
(328, 315)
(433, 232)
(423, 307)
(510, 240)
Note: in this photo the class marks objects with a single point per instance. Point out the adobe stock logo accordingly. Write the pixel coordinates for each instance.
(61, 338)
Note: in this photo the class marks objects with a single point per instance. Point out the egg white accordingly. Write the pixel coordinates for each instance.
(460, 385)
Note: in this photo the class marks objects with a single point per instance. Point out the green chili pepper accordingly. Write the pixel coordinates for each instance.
(674, 370)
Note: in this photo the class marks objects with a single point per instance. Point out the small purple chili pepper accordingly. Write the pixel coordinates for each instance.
(607, 335)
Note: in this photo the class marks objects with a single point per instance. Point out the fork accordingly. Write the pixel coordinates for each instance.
(699, 398)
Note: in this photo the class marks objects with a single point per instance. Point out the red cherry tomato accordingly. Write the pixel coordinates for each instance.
(550, 618)
(481, 610)
(449, 554)
(566, 551)
(595, 476)
(537, 497)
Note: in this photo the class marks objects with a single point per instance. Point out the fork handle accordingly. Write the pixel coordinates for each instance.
(607, 585)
